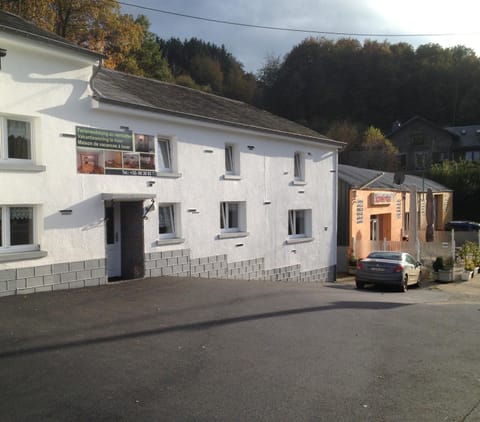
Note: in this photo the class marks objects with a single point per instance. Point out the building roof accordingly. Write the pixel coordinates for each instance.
(356, 177)
(469, 136)
(16, 25)
(161, 97)
(417, 119)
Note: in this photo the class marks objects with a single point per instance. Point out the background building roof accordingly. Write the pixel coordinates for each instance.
(357, 177)
(469, 136)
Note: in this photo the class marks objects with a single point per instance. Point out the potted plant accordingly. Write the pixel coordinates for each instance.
(352, 264)
(469, 268)
(445, 269)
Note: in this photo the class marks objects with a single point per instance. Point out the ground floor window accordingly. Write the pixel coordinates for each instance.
(167, 227)
(17, 225)
(299, 223)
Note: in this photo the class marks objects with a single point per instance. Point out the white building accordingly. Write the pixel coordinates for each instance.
(104, 176)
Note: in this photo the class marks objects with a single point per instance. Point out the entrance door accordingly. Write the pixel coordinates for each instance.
(114, 240)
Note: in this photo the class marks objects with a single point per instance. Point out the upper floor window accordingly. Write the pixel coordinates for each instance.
(232, 160)
(16, 139)
(422, 160)
(299, 166)
(17, 228)
(164, 155)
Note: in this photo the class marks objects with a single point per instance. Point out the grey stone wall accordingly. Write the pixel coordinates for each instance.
(53, 277)
(93, 272)
(179, 263)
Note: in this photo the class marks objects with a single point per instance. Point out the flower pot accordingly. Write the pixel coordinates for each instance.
(445, 275)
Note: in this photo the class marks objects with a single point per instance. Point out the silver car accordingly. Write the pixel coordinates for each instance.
(387, 268)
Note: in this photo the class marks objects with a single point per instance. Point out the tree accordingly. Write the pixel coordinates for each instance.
(374, 152)
(94, 24)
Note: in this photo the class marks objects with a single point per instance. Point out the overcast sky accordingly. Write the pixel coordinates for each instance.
(251, 46)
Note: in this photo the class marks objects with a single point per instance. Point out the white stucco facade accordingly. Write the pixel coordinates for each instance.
(49, 87)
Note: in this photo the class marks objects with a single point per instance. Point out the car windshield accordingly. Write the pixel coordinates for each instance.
(385, 255)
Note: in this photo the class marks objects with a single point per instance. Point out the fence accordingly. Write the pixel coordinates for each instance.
(445, 244)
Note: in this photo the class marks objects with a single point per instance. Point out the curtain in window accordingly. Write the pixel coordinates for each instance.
(164, 158)
(223, 216)
(18, 139)
(21, 226)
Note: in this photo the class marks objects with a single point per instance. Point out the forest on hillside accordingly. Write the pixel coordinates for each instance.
(319, 83)
(348, 90)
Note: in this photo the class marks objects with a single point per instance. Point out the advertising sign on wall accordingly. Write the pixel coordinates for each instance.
(381, 198)
(102, 151)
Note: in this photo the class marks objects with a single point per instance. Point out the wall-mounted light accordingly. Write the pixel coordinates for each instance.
(309, 153)
(301, 191)
(208, 151)
(238, 245)
(66, 212)
(124, 128)
(150, 183)
(251, 147)
(192, 210)
(267, 202)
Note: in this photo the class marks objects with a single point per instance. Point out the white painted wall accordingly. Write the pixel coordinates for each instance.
(53, 89)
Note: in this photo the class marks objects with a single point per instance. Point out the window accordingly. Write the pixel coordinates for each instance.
(16, 139)
(421, 160)
(16, 228)
(299, 166)
(229, 216)
(232, 161)
(164, 155)
(166, 221)
(299, 223)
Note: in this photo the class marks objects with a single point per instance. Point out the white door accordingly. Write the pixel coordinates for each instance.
(114, 240)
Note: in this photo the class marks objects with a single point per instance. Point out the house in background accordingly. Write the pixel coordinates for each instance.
(109, 176)
(372, 207)
(466, 142)
(422, 143)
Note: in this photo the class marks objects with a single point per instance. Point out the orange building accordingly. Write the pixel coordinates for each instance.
(372, 207)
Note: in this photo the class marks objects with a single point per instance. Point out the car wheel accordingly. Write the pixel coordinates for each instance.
(359, 284)
(404, 286)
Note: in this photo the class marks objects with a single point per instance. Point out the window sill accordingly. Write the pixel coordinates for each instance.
(299, 183)
(25, 167)
(169, 175)
(295, 240)
(232, 177)
(233, 235)
(22, 256)
(170, 241)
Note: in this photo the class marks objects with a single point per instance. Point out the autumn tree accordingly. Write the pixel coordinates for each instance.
(94, 24)
(374, 152)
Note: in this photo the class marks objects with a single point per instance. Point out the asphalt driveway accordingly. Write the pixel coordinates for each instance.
(203, 350)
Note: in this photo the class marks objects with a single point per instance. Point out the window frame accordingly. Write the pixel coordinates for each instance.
(5, 230)
(299, 167)
(161, 158)
(172, 210)
(294, 235)
(232, 155)
(228, 230)
(4, 150)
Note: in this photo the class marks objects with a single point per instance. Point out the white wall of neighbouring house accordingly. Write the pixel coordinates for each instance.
(50, 87)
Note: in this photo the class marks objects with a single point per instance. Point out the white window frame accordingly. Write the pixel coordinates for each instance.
(227, 229)
(293, 229)
(165, 154)
(5, 245)
(170, 152)
(232, 161)
(172, 211)
(18, 164)
(299, 166)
